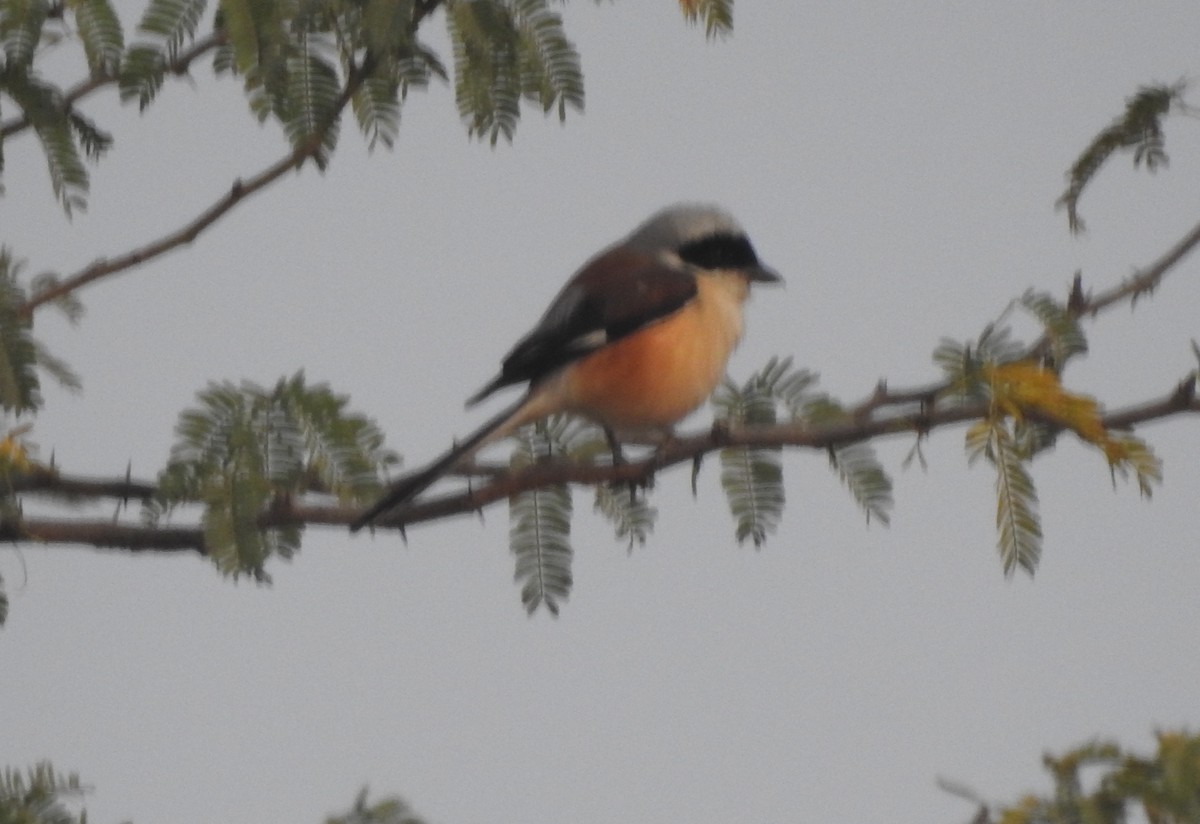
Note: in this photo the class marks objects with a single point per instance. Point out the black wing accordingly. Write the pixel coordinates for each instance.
(614, 295)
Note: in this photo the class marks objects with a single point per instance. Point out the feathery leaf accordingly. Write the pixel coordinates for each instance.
(142, 71)
(630, 514)
(242, 447)
(506, 49)
(1138, 130)
(550, 69)
(1063, 332)
(1018, 524)
(19, 386)
(101, 33)
(37, 796)
(42, 103)
(172, 22)
(540, 524)
(308, 108)
(21, 23)
(860, 470)
(752, 477)
(716, 14)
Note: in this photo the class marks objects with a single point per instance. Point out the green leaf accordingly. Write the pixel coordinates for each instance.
(1062, 329)
(42, 103)
(487, 83)
(308, 110)
(630, 514)
(376, 106)
(37, 796)
(142, 72)
(549, 64)
(752, 477)
(505, 50)
(101, 33)
(19, 386)
(1018, 523)
(21, 24)
(861, 472)
(540, 524)
(172, 23)
(388, 811)
(716, 14)
(244, 446)
(1138, 130)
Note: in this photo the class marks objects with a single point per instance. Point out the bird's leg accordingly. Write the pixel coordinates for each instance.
(618, 457)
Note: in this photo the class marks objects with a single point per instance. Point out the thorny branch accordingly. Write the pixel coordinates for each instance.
(499, 486)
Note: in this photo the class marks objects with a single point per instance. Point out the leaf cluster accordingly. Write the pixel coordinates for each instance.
(1138, 130)
(752, 477)
(21, 356)
(67, 136)
(716, 14)
(243, 447)
(505, 52)
(300, 61)
(40, 796)
(1164, 787)
(388, 811)
(1028, 407)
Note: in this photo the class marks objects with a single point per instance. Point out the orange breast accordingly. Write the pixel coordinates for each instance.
(656, 376)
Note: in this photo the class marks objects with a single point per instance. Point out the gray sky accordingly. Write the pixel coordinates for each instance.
(898, 163)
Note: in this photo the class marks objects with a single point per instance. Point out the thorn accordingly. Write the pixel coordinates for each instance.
(1075, 300)
(696, 461)
(1185, 393)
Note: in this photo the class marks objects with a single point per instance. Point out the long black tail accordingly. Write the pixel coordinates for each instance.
(411, 486)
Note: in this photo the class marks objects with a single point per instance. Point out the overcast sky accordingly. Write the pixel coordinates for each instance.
(898, 164)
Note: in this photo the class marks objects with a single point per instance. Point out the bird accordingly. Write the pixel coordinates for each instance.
(637, 339)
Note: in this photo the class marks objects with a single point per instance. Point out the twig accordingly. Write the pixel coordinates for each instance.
(51, 483)
(105, 535)
(240, 190)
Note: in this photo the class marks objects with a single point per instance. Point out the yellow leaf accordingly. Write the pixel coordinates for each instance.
(14, 455)
(1023, 388)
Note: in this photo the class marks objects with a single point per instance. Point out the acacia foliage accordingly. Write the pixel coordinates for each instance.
(244, 448)
(245, 455)
(1161, 788)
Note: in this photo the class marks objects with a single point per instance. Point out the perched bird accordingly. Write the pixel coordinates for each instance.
(636, 340)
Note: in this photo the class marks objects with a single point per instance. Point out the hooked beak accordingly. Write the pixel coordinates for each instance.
(763, 274)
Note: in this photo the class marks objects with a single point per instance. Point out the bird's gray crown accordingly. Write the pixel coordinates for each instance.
(681, 224)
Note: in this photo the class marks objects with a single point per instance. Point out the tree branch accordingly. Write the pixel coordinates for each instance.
(240, 190)
(501, 484)
(51, 483)
(687, 449)
(1142, 283)
(104, 535)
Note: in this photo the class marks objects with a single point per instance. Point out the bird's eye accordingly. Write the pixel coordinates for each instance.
(722, 251)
